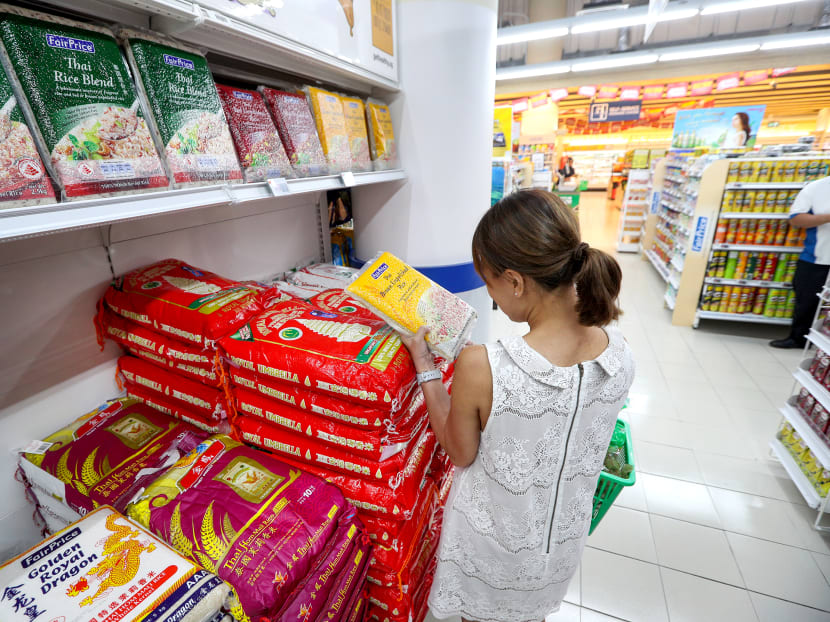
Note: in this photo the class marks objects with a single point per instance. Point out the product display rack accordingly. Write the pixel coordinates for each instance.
(634, 210)
(595, 167)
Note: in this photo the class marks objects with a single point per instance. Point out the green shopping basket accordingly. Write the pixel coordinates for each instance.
(610, 486)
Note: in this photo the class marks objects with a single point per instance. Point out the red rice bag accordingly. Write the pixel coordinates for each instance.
(107, 455)
(206, 376)
(385, 607)
(255, 137)
(339, 301)
(175, 409)
(192, 305)
(209, 403)
(298, 132)
(409, 577)
(297, 343)
(389, 531)
(257, 523)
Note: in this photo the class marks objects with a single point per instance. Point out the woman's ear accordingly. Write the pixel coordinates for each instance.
(517, 281)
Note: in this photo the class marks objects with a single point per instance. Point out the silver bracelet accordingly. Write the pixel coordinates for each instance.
(426, 376)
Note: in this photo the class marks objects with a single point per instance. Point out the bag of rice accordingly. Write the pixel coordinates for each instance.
(338, 301)
(184, 109)
(104, 457)
(343, 275)
(331, 128)
(355, 114)
(75, 90)
(358, 609)
(298, 132)
(356, 359)
(174, 409)
(257, 143)
(407, 300)
(381, 136)
(256, 522)
(350, 583)
(189, 304)
(105, 568)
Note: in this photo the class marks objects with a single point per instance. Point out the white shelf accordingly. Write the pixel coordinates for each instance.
(742, 317)
(807, 433)
(756, 247)
(674, 281)
(27, 222)
(821, 341)
(628, 247)
(754, 215)
(669, 301)
(658, 265)
(800, 480)
(713, 280)
(783, 185)
(677, 264)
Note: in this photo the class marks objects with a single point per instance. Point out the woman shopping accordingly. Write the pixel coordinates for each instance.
(530, 418)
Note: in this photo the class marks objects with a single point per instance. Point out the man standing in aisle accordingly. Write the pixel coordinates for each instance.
(811, 211)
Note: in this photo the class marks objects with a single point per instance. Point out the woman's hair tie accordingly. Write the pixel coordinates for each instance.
(578, 255)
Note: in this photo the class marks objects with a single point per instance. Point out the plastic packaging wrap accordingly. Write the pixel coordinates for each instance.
(331, 128)
(79, 101)
(407, 300)
(355, 114)
(184, 108)
(257, 142)
(381, 136)
(298, 132)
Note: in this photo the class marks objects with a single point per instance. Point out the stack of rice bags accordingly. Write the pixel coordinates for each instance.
(169, 316)
(327, 386)
(106, 568)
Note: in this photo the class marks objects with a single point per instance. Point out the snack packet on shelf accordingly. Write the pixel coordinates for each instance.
(407, 300)
(381, 136)
(355, 114)
(331, 128)
(297, 131)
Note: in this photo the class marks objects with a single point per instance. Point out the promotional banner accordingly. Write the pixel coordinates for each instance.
(557, 94)
(539, 100)
(520, 105)
(701, 87)
(630, 93)
(608, 91)
(717, 128)
(753, 77)
(783, 71)
(587, 91)
(678, 89)
(614, 111)
(502, 130)
(654, 91)
(729, 81)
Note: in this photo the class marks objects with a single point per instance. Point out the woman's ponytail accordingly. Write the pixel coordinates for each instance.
(597, 286)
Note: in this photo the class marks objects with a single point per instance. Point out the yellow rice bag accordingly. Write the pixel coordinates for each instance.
(331, 126)
(355, 115)
(407, 300)
(381, 136)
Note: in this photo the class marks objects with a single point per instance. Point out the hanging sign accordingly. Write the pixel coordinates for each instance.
(614, 111)
(557, 94)
(608, 91)
(678, 89)
(730, 127)
(587, 91)
(753, 77)
(536, 102)
(701, 87)
(729, 81)
(655, 91)
(630, 92)
(783, 71)
(519, 105)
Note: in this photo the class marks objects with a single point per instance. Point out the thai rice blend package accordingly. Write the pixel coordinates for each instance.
(407, 300)
(185, 109)
(74, 87)
(355, 114)
(381, 136)
(298, 131)
(331, 127)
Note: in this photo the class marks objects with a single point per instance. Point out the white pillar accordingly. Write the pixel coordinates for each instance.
(443, 120)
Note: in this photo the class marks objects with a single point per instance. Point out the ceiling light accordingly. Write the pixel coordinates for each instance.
(633, 20)
(709, 51)
(534, 71)
(611, 62)
(742, 5)
(818, 38)
(514, 35)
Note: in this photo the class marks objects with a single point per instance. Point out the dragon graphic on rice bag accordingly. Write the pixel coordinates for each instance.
(331, 128)
(75, 90)
(105, 456)
(298, 132)
(189, 304)
(254, 521)
(104, 567)
(407, 300)
(185, 109)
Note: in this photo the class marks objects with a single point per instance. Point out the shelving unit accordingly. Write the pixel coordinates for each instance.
(742, 317)
(634, 208)
(797, 476)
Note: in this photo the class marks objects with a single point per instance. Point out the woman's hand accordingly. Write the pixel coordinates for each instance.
(419, 351)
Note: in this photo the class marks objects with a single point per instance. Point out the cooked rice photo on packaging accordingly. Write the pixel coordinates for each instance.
(355, 114)
(185, 109)
(381, 136)
(297, 131)
(257, 142)
(74, 88)
(104, 567)
(407, 300)
(331, 128)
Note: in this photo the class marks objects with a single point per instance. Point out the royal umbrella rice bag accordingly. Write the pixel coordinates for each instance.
(192, 305)
(257, 523)
(355, 115)
(75, 89)
(381, 136)
(338, 301)
(297, 131)
(175, 409)
(105, 568)
(184, 108)
(257, 142)
(331, 128)
(107, 455)
(407, 300)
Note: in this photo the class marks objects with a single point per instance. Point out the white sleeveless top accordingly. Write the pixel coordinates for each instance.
(517, 518)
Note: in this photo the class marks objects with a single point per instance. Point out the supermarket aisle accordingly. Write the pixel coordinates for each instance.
(713, 530)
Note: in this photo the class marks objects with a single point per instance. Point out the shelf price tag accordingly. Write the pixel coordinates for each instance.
(279, 186)
(348, 179)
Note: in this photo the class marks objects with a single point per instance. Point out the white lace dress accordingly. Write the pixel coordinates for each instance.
(517, 518)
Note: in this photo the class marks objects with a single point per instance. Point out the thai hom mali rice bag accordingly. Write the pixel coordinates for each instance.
(107, 455)
(381, 136)
(356, 359)
(239, 512)
(298, 132)
(184, 109)
(257, 142)
(407, 300)
(355, 114)
(189, 304)
(74, 86)
(331, 128)
(105, 568)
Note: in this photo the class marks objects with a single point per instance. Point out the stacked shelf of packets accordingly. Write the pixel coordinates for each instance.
(634, 210)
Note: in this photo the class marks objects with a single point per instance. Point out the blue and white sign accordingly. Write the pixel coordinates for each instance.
(656, 197)
(607, 112)
(700, 233)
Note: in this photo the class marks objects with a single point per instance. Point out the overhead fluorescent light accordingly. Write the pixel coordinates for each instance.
(510, 35)
(532, 71)
(742, 5)
(802, 40)
(703, 52)
(612, 62)
(609, 23)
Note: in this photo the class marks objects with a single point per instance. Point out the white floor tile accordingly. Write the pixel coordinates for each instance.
(589, 615)
(675, 462)
(626, 532)
(622, 587)
(695, 549)
(780, 571)
(567, 613)
(771, 609)
(736, 397)
(758, 477)
(803, 518)
(633, 497)
(756, 516)
(691, 599)
(823, 562)
(677, 499)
